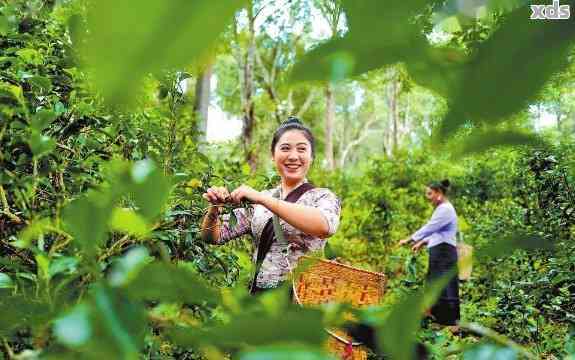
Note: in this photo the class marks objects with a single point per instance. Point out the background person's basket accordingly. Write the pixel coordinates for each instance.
(322, 281)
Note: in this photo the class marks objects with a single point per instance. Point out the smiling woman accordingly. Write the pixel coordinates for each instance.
(307, 215)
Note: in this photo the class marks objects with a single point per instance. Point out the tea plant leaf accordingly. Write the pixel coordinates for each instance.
(165, 282)
(286, 352)
(128, 221)
(302, 326)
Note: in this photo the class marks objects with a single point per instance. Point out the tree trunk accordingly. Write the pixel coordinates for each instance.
(329, 122)
(248, 103)
(202, 101)
(393, 93)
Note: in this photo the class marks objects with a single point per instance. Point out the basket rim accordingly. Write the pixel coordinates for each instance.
(381, 275)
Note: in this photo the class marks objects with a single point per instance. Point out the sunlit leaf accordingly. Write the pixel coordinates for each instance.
(30, 56)
(127, 267)
(150, 188)
(128, 221)
(490, 352)
(5, 281)
(32, 232)
(144, 36)
(43, 266)
(75, 328)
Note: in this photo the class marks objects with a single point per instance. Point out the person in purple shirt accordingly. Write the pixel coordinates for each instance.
(439, 234)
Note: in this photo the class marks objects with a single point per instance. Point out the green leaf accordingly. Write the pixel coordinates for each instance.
(41, 144)
(504, 245)
(496, 84)
(122, 320)
(286, 352)
(4, 25)
(6, 281)
(380, 34)
(43, 266)
(87, 219)
(510, 348)
(41, 82)
(139, 37)
(75, 328)
(128, 267)
(35, 229)
(9, 92)
(438, 69)
(396, 334)
(129, 222)
(166, 282)
(233, 221)
(42, 119)
(490, 352)
(104, 325)
(303, 326)
(481, 141)
(30, 56)
(150, 188)
(21, 310)
(63, 265)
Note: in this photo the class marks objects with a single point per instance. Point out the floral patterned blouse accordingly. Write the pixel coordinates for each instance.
(252, 221)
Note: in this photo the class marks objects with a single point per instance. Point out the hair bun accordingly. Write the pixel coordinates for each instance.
(292, 120)
(445, 183)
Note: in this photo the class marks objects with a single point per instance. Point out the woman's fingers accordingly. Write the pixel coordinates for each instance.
(237, 195)
(216, 195)
(223, 194)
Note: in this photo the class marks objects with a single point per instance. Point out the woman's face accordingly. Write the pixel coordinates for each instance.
(292, 156)
(433, 196)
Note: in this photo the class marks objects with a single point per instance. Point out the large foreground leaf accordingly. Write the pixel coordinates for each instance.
(128, 39)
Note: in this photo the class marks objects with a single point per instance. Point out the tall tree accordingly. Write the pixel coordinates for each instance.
(202, 99)
(246, 61)
(331, 11)
(393, 90)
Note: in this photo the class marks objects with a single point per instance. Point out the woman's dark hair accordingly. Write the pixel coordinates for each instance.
(441, 186)
(293, 123)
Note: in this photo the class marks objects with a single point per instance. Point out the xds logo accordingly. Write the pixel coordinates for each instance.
(552, 12)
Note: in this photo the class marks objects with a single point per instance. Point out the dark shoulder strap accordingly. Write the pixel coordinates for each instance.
(298, 192)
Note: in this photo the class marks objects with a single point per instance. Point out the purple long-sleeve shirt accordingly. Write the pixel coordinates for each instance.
(441, 228)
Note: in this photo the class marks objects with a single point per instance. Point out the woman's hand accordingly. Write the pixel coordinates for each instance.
(245, 192)
(402, 242)
(217, 195)
(418, 245)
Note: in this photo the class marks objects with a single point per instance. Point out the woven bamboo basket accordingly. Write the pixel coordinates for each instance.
(322, 281)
